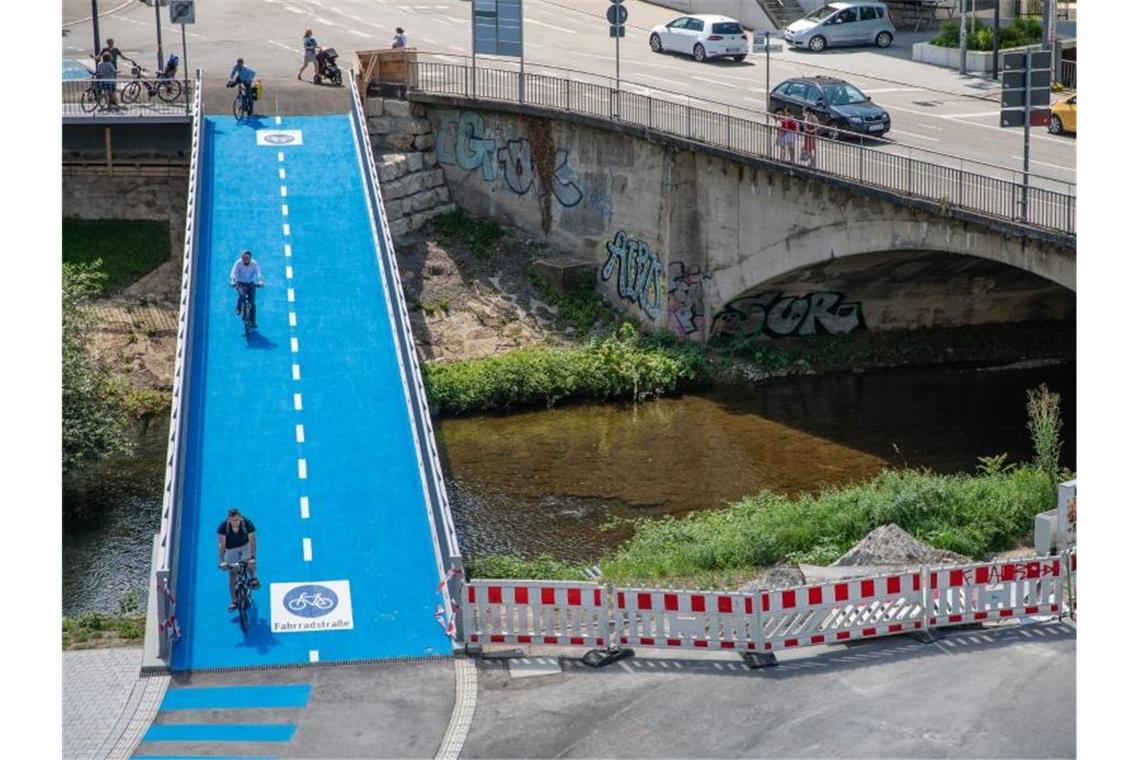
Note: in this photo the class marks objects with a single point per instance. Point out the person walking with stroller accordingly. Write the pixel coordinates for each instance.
(310, 43)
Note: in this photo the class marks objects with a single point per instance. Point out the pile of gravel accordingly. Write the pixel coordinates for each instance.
(891, 545)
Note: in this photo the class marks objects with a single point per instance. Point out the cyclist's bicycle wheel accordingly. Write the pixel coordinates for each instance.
(238, 107)
(92, 100)
(246, 315)
(131, 92)
(243, 607)
(169, 90)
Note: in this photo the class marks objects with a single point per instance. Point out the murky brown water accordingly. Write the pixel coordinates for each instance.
(545, 481)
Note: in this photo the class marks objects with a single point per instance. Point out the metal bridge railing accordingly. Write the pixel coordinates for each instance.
(450, 561)
(135, 99)
(164, 570)
(1043, 203)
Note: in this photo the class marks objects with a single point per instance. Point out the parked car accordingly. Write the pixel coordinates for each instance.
(701, 36)
(839, 105)
(1063, 115)
(842, 23)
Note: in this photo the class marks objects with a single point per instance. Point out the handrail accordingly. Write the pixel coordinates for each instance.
(1030, 205)
(163, 573)
(439, 510)
(147, 106)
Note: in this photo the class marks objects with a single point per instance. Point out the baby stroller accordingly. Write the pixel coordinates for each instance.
(327, 68)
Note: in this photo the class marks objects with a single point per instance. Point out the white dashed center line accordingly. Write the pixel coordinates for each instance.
(307, 549)
(300, 434)
(288, 250)
(293, 346)
(281, 174)
(314, 655)
(290, 295)
(288, 273)
(284, 191)
(280, 156)
(304, 507)
(297, 401)
(277, 120)
(284, 210)
(285, 229)
(302, 469)
(292, 319)
(296, 371)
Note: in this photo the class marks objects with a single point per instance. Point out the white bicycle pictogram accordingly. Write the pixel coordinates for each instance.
(315, 599)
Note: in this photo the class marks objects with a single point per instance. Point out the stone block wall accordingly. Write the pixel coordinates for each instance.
(411, 182)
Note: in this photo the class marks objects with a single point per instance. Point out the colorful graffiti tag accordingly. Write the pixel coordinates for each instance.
(639, 273)
(686, 298)
(778, 316)
(461, 141)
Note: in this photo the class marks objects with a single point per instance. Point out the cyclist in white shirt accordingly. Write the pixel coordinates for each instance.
(246, 276)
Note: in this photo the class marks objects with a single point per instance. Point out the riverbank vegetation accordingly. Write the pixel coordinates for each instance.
(124, 250)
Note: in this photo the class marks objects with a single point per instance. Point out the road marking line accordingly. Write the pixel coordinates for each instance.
(291, 9)
(302, 469)
(285, 211)
(358, 34)
(281, 173)
(285, 230)
(292, 319)
(289, 295)
(552, 26)
(296, 371)
(277, 120)
(1045, 163)
(280, 156)
(895, 89)
(297, 402)
(288, 273)
(307, 552)
(323, 21)
(912, 134)
(314, 655)
(300, 433)
(293, 345)
(304, 507)
(284, 192)
(288, 250)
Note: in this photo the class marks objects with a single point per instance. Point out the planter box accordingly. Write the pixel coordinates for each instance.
(976, 61)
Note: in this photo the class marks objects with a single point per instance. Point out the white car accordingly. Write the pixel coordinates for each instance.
(701, 36)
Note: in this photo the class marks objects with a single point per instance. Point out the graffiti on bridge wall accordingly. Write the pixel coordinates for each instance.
(639, 271)
(461, 141)
(778, 316)
(686, 298)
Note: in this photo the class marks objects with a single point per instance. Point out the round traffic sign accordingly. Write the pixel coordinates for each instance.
(617, 14)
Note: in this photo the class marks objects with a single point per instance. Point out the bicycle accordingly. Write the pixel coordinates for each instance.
(97, 96)
(245, 306)
(243, 101)
(167, 89)
(243, 592)
(315, 599)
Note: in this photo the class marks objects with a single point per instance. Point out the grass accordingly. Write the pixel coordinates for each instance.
(128, 249)
(623, 366)
(480, 235)
(582, 306)
(970, 514)
(93, 628)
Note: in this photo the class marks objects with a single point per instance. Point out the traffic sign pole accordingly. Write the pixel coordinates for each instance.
(158, 33)
(522, 54)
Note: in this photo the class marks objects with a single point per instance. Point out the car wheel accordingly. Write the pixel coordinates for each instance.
(1055, 127)
(817, 43)
(832, 129)
(883, 39)
(738, 58)
(655, 43)
(699, 52)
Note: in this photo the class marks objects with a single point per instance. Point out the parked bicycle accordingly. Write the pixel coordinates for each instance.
(97, 96)
(165, 85)
(243, 592)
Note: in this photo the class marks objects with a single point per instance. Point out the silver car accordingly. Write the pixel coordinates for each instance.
(842, 23)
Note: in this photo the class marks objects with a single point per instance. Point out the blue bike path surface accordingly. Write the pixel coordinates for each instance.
(309, 417)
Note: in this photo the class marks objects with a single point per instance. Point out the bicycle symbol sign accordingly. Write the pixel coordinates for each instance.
(311, 600)
(280, 137)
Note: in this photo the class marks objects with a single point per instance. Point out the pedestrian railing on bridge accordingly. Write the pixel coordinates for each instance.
(950, 181)
(162, 624)
(82, 100)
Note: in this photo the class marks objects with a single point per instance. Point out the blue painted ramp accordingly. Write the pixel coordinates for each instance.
(306, 428)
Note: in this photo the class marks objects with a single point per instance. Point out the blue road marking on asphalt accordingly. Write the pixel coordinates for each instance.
(219, 732)
(74, 69)
(368, 521)
(235, 697)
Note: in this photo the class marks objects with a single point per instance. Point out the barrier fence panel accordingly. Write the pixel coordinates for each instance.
(535, 612)
(841, 611)
(689, 619)
(975, 593)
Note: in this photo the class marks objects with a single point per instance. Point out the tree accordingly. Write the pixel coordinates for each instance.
(93, 423)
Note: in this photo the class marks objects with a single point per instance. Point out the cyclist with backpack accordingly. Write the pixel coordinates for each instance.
(237, 542)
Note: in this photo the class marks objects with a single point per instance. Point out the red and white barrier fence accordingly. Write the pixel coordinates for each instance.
(586, 614)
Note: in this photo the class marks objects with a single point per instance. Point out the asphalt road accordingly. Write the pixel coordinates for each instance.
(932, 109)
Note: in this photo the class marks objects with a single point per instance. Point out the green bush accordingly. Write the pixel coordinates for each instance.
(624, 365)
(510, 566)
(1019, 33)
(480, 235)
(582, 306)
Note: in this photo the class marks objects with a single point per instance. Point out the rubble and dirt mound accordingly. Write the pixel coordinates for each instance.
(891, 545)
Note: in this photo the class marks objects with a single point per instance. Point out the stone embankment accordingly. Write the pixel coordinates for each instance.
(411, 182)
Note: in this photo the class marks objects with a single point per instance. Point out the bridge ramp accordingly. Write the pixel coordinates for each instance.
(306, 428)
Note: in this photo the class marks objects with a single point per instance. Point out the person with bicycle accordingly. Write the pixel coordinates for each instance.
(242, 76)
(237, 542)
(106, 74)
(246, 276)
(115, 54)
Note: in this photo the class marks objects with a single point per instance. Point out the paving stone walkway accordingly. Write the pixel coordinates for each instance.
(106, 704)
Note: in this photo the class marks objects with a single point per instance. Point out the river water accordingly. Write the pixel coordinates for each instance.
(546, 481)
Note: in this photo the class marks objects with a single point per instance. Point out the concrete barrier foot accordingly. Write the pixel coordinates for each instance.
(756, 660)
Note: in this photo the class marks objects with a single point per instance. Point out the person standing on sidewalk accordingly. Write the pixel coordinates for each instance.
(310, 43)
(400, 40)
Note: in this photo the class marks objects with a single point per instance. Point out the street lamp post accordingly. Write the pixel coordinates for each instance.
(158, 33)
(95, 25)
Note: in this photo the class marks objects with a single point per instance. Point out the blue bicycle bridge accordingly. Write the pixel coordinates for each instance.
(309, 428)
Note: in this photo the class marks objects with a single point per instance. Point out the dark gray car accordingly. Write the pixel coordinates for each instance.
(839, 105)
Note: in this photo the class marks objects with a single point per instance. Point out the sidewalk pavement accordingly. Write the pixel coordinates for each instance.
(107, 706)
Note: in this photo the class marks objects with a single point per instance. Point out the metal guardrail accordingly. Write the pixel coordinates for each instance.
(446, 542)
(164, 573)
(1067, 73)
(978, 191)
(79, 101)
